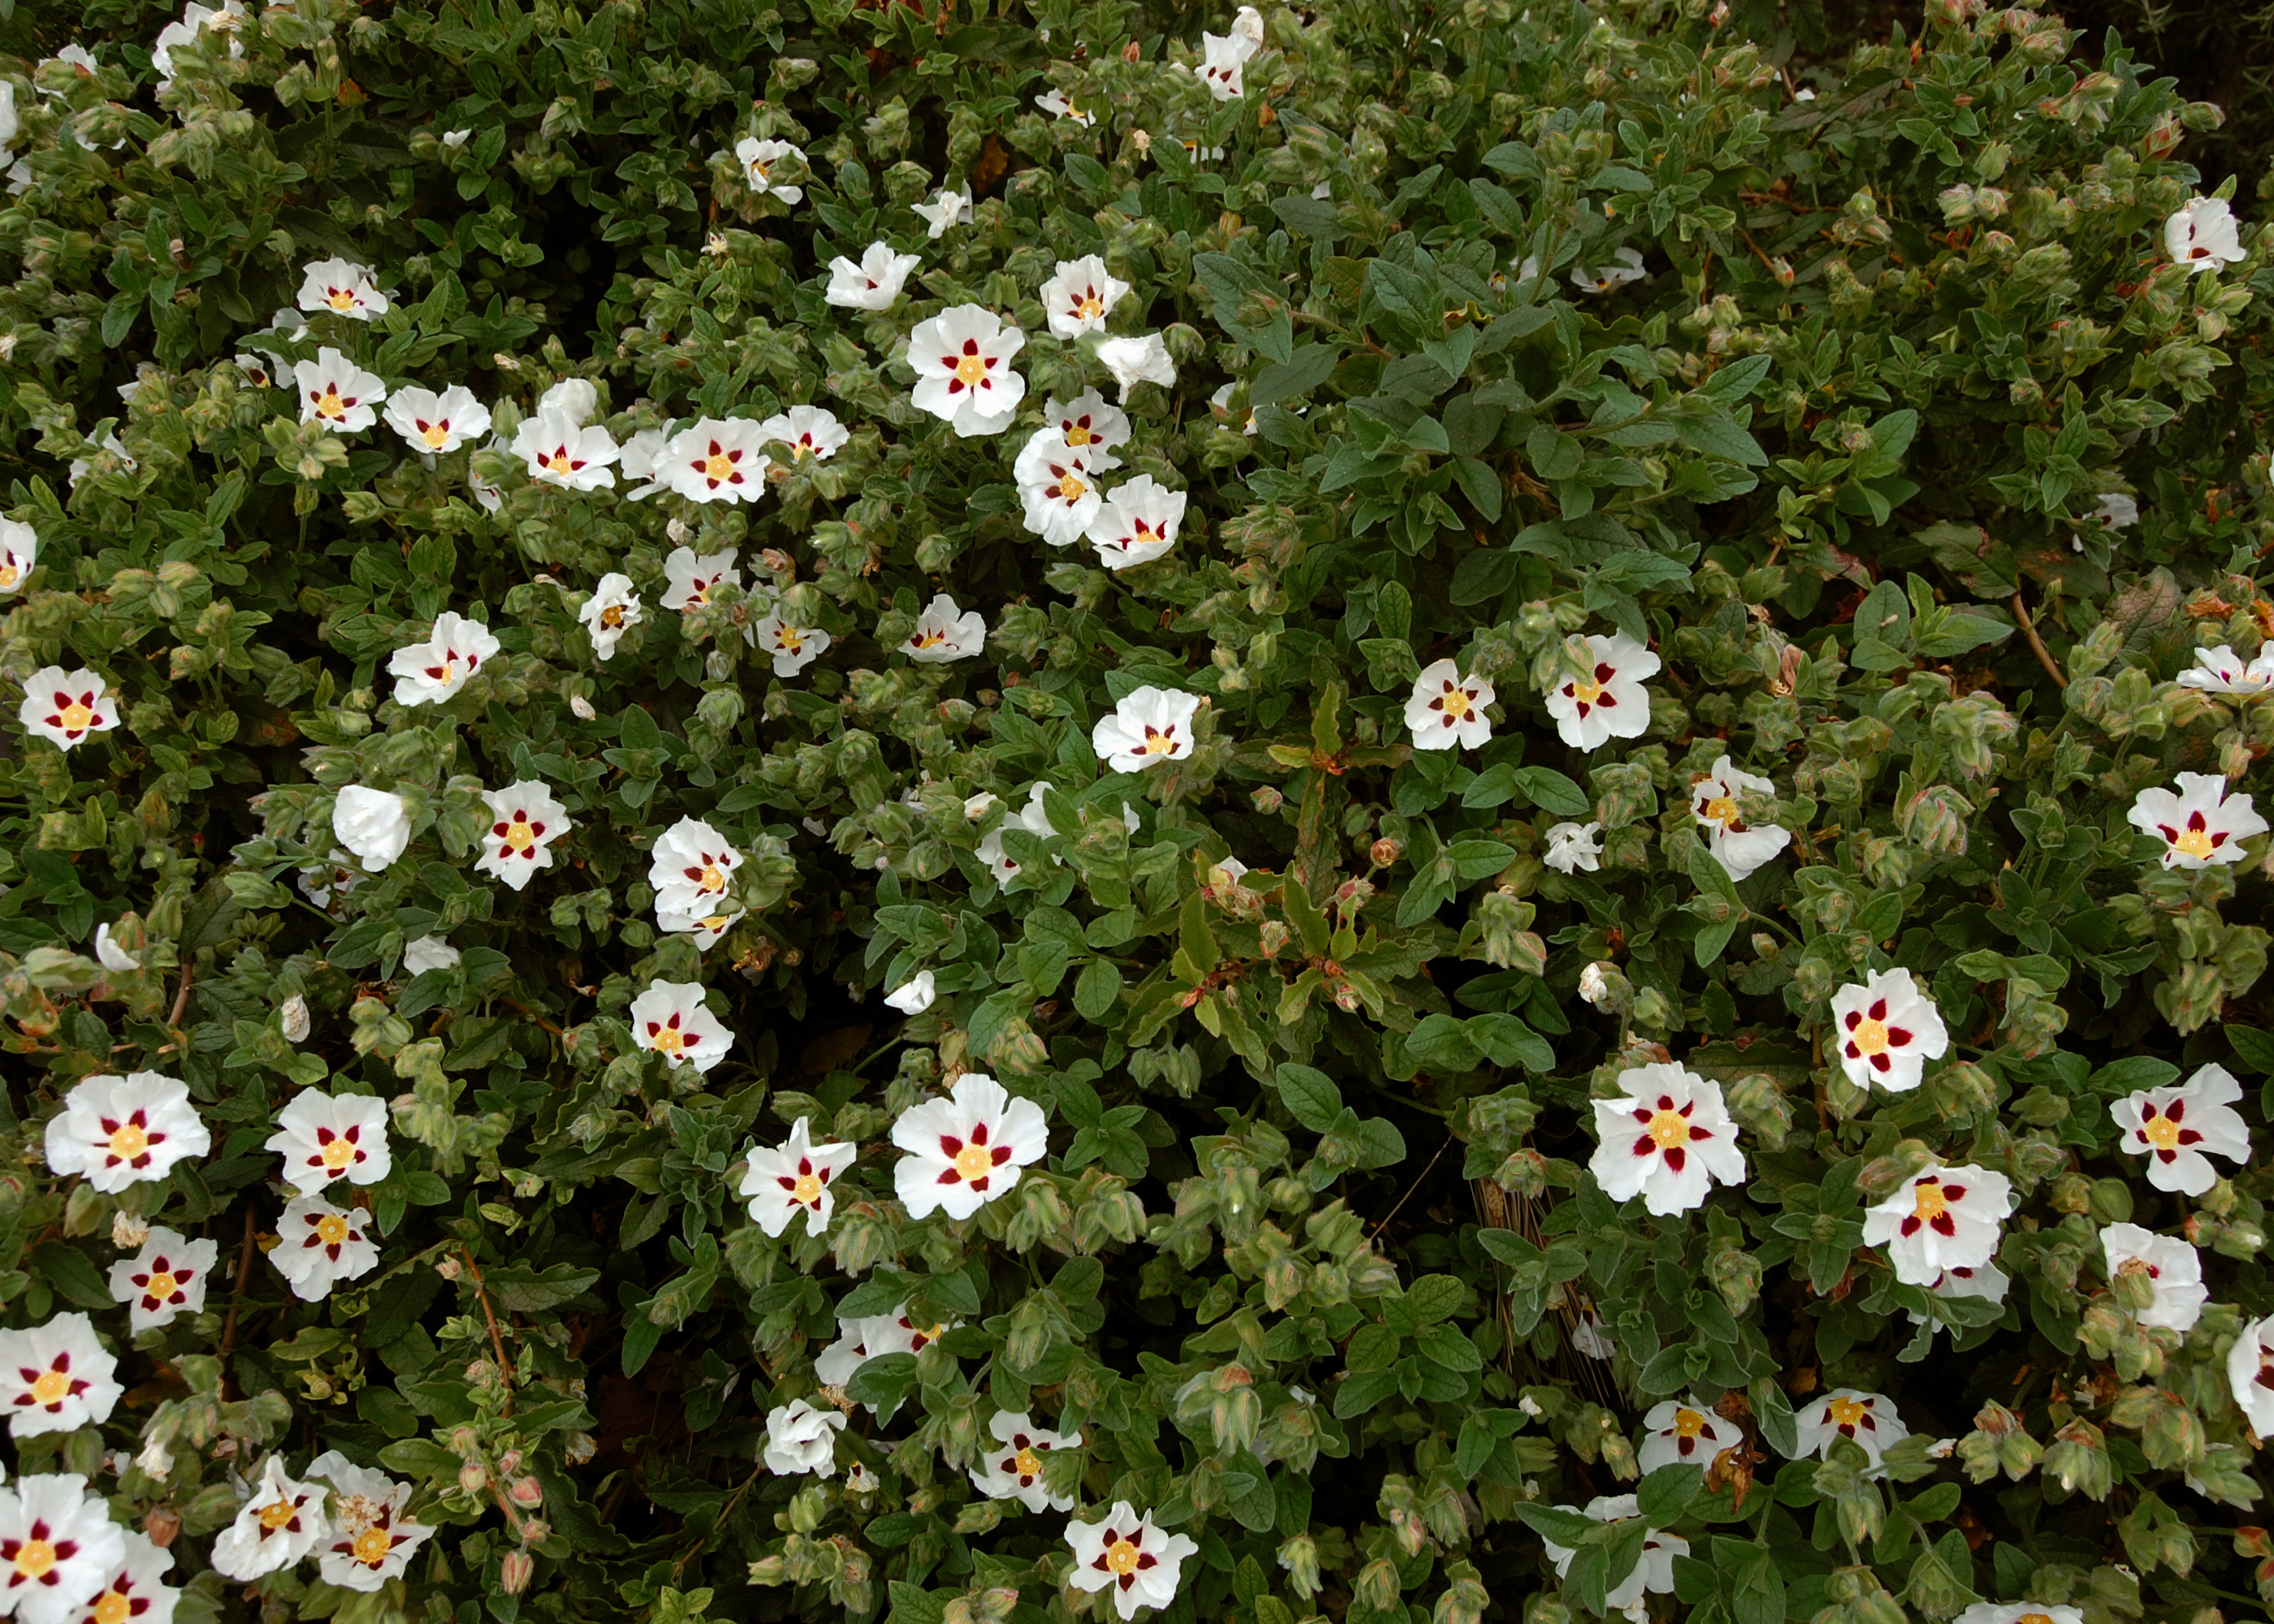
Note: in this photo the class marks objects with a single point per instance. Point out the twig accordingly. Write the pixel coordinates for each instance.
(497, 1341)
(237, 1296)
(181, 1001)
(1411, 1188)
(515, 1004)
(2037, 643)
(680, 1565)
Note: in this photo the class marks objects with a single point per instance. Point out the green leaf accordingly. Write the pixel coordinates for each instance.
(516, 1289)
(1309, 367)
(1309, 1094)
(72, 1273)
(1551, 792)
(1666, 1493)
(1097, 989)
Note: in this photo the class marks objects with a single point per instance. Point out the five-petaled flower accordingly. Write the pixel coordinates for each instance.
(811, 433)
(1610, 703)
(66, 708)
(58, 1548)
(1940, 1218)
(1653, 1574)
(1223, 58)
(370, 1539)
(1740, 847)
(282, 1522)
(1149, 727)
(795, 1177)
(325, 1139)
(2221, 670)
(1574, 846)
(718, 460)
(966, 1150)
(120, 1130)
(759, 160)
(167, 1276)
(670, 1019)
(525, 822)
(2179, 1129)
(1134, 361)
(1682, 1432)
(1447, 709)
(375, 824)
(1666, 1137)
(961, 358)
(944, 633)
(612, 609)
(689, 576)
(55, 1378)
(560, 449)
(436, 424)
(1057, 104)
(337, 393)
(949, 208)
(428, 672)
(19, 550)
(320, 1245)
(801, 1439)
(690, 867)
(135, 1592)
(1012, 1470)
(871, 283)
(1058, 493)
(2250, 1374)
(1136, 523)
(344, 287)
(1866, 1419)
(1088, 425)
(915, 994)
(2204, 235)
(1888, 1030)
(794, 647)
(1624, 265)
(1130, 1556)
(2200, 826)
(2168, 1267)
(1078, 294)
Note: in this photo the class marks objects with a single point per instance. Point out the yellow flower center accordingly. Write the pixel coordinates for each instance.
(277, 1514)
(1845, 1411)
(1089, 306)
(667, 1040)
(434, 434)
(1869, 1037)
(928, 640)
(1455, 704)
(1071, 489)
(129, 1139)
(7, 576)
(970, 369)
(339, 1153)
(1669, 1129)
(1121, 1556)
(331, 1229)
(519, 836)
(372, 1546)
(341, 299)
(2033, 1618)
(1721, 809)
(1928, 1203)
(161, 1286)
(35, 1560)
(75, 716)
(973, 1162)
(52, 1387)
(1587, 693)
(2194, 843)
(807, 1190)
(2161, 1131)
(1025, 1465)
(790, 640)
(113, 1608)
(559, 464)
(717, 465)
(1688, 1423)
(613, 616)
(712, 880)
(1159, 744)
(329, 403)
(1079, 435)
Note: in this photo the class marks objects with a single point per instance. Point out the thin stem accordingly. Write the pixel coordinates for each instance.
(1411, 1188)
(497, 1340)
(2036, 643)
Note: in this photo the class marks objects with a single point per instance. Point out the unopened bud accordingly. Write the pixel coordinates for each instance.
(1267, 798)
(473, 1477)
(526, 1492)
(582, 708)
(294, 1019)
(448, 1268)
(509, 1462)
(163, 1525)
(1385, 852)
(516, 1570)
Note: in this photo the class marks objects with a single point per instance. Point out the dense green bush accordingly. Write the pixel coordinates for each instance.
(991, 815)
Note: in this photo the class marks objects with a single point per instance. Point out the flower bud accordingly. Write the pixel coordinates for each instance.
(526, 1492)
(473, 1477)
(1299, 1557)
(1267, 800)
(294, 1019)
(163, 1525)
(581, 707)
(516, 1570)
(509, 1462)
(1385, 852)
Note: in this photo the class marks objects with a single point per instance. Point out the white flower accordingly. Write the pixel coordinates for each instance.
(19, 550)
(429, 953)
(688, 576)
(436, 424)
(1738, 846)
(283, 1522)
(690, 867)
(168, 1276)
(1222, 58)
(1137, 522)
(1149, 727)
(1625, 267)
(120, 1130)
(1983, 1283)
(154, 1459)
(1134, 361)
(337, 393)
(1588, 1337)
(874, 282)
(961, 358)
(794, 1177)
(640, 460)
(561, 451)
(58, 1547)
(858, 1342)
(1868, 1419)
(2179, 1129)
(1057, 104)
(1129, 1555)
(717, 460)
(705, 928)
(1248, 29)
(1888, 1030)
(2201, 825)
(1447, 708)
(949, 208)
(1653, 1575)
(2204, 235)
(326, 1138)
(1940, 1218)
(944, 634)
(344, 287)
(793, 647)
(915, 995)
(801, 1439)
(1574, 846)
(8, 123)
(79, 466)
(1078, 294)
(1667, 1138)
(1087, 426)
(428, 672)
(135, 1593)
(2117, 511)
(966, 1150)
(2221, 670)
(66, 707)
(1013, 1469)
(2251, 1374)
(2019, 1613)
(371, 1539)
(810, 431)
(1611, 705)
(195, 20)
(55, 1378)
(612, 609)
(1677, 1433)
(758, 160)
(292, 1019)
(375, 824)
(110, 955)
(670, 1019)
(576, 399)
(320, 1245)
(455, 138)
(525, 822)
(1059, 495)
(2173, 1268)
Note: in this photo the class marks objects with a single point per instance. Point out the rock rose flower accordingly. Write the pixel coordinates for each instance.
(1134, 361)
(689, 576)
(19, 550)
(794, 1178)
(1682, 1432)
(120, 1130)
(944, 632)
(525, 822)
(437, 425)
(428, 672)
(670, 1019)
(373, 824)
(871, 283)
(1888, 1030)
(913, 996)
(968, 1149)
(690, 867)
(562, 450)
(110, 955)
(327, 1138)
(1130, 1558)
(612, 609)
(1447, 709)
(2221, 670)
(1136, 523)
(429, 953)
(1738, 846)
(320, 1245)
(1057, 104)
(2171, 1267)
(2250, 1374)
(2200, 826)
(337, 393)
(1078, 294)
(344, 287)
(2204, 235)
(1223, 56)
(55, 1378)
(1087, 426)
(759, 160)
(1058, 494)
(793, 647)
(58, 1548)
(812, 433)
(1940, 1218)
(1574, 846)
(168, 1276)
(1868, 1419)
(717, 460)
(1667, 1138)
(2180, 1128)
(1149, 727)
(136, 1589)
(1610, 704)
(1624, 267)
(66, 708)
(801, 1439)
(1013, 1469)
(1653, 1575)
(949, 208)
(283, 1522)
(2019, 1613)
(961, 358)
(371, 1539)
